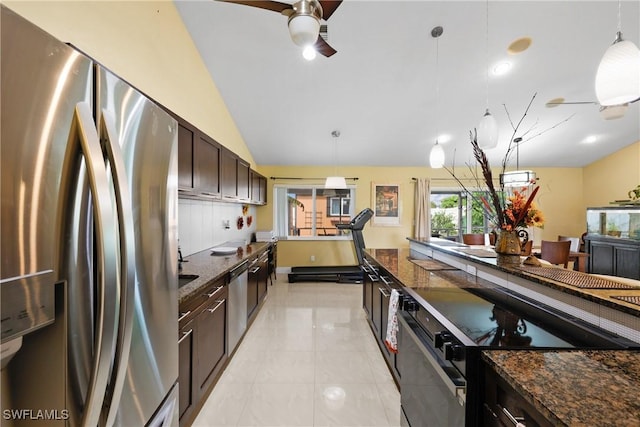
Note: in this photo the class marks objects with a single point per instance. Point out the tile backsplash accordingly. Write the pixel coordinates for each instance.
(201, 224)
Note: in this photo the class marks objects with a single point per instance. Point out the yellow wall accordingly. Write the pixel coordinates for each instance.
(146, 44)
(612, 177)
(560, 198)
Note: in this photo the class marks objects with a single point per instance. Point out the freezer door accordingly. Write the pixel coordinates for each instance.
(42, 80)
(148, 138)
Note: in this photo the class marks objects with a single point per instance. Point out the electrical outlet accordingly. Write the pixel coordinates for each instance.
(313, 258)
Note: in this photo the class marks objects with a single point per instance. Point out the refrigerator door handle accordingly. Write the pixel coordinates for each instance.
(127, 259)
(83, 139)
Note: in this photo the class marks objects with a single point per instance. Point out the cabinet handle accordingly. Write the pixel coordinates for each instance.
(215, 291)
(373, 278)
(185, 335)
(384, 294)
(514, 420)
(220, 302)
(386, 282)
(255, 270)
(183, 315)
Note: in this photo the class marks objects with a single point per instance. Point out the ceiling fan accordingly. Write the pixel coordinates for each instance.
(304, 19)
(608, 112)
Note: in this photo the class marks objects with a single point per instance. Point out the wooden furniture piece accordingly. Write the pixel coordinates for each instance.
(613, 256)
(473, 239)
(579, 260)
(575, 242)
(555, 252)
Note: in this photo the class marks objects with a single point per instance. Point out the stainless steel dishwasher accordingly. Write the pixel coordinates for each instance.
(237, 322)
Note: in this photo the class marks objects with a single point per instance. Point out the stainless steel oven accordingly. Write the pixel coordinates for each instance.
(433, 390)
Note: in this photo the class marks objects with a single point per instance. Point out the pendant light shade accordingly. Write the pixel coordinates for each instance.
(336, 182)
(488, 131)
(436, 156)
(618, 76)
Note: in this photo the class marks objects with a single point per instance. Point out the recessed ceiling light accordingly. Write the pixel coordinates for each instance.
(501, 68)
(590, 139)
(519, 45)
(444, 138)
(552, 103)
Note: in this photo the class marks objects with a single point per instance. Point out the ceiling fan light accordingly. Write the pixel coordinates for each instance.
(336, 182)
(309, 53)
(618, 76)
(488, 131)
(436, 156)
(304, 29)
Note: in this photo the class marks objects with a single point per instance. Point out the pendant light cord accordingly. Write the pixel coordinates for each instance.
(619, 17)
(487, 54)
(437, 86)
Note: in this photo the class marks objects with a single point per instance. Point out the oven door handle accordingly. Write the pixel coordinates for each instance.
(455, 384)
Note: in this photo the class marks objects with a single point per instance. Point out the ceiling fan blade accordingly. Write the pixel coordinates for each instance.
(328, 7)
(323, 48)
(275, 6)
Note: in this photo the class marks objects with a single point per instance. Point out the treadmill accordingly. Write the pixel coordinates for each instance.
(339, 273)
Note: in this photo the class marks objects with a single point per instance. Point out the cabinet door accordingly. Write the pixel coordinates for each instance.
(367, 287)
(252, 288)
(211, 339)
(186, 370)
(254, 179)
(229, 174)
(263, 276)
(627, 261)
(263, 190)
(207, 161)
(244, 185)
(601, 258)
(186, 178)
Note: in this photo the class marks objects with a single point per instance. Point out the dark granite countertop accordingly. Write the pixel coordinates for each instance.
(211, 267)
(570, 387)
(575, 388)
(607, 297)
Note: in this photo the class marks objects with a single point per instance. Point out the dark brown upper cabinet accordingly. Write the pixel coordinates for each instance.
(258, 188)
(186, 146)
(207, 161)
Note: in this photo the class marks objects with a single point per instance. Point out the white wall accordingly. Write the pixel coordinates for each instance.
(200, 224)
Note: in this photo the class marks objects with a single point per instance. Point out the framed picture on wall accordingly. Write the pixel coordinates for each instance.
(386, 204)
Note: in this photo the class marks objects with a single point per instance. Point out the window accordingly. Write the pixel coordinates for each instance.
(451, 211)
(311, 211)
(339, 206)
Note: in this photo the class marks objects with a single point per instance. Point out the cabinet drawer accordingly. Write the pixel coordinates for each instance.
(189, 308)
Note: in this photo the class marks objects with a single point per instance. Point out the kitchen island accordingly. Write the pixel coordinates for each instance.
(540, 376)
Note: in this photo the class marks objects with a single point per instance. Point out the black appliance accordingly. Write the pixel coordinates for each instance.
(443, 328)
(339, 273)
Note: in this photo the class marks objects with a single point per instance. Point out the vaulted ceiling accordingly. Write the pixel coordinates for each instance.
(391, 88)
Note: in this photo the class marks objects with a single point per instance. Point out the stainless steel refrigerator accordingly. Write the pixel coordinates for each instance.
(88, 240)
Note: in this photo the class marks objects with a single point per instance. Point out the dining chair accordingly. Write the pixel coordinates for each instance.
(555, 252)
(526, 248)
(575, 242)
(473, 239)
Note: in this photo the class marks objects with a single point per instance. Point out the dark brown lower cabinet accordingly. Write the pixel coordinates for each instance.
(186, 369)
(502, 403)
(211, 338)
(202, 347)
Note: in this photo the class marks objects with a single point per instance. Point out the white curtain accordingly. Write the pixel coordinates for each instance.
(422, 216)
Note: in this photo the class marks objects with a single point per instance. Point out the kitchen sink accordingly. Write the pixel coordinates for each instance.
(183, 279)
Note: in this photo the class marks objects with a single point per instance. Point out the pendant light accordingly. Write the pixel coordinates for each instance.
(336, 182)
(517, 178)
(618, 76)
(436, 156)
(488, 128)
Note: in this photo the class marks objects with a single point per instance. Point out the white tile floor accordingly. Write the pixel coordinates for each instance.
(309, 359)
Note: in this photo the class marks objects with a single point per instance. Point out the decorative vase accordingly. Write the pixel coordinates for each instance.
(508, 248)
